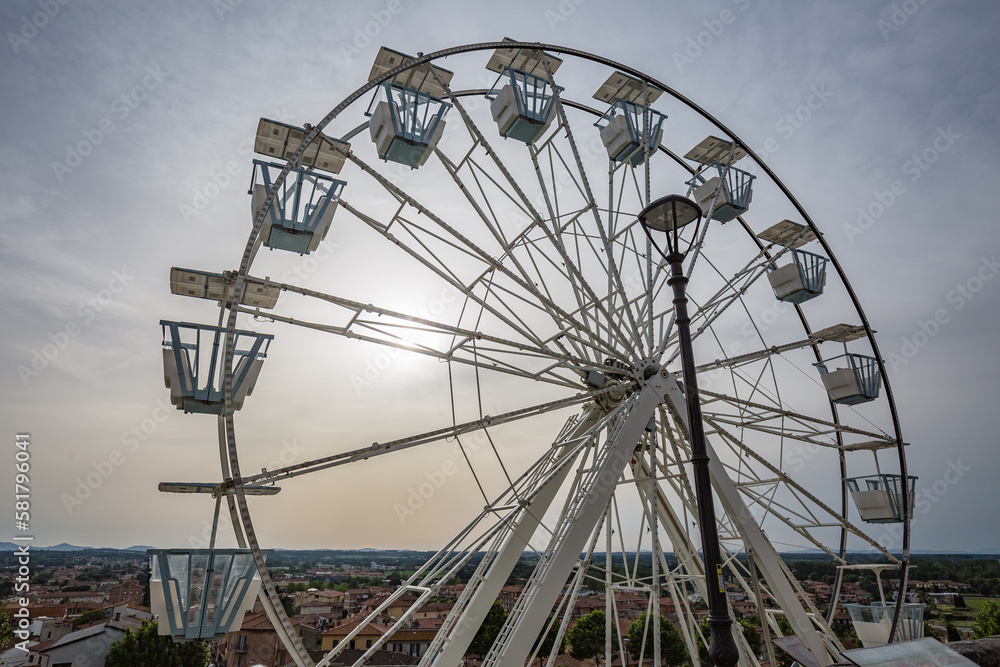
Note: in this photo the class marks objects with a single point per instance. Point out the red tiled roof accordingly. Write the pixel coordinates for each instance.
(260, 621)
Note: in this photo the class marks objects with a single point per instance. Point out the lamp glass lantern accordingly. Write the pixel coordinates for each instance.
(669, 215)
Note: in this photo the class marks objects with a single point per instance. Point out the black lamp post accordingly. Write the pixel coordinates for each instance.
(668, 215)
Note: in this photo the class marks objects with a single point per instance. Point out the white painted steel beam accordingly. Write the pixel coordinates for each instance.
(464, 628)
(581, 514)
(765, 557)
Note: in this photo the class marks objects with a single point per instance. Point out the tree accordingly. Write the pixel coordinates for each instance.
(988, 620)
(750, 632)
(145, 648)
(489, 630)
(289, 605)
(673, 651)
(960, 602)
(6, 629)
(586, 636)
(548, 640)
(75, 589)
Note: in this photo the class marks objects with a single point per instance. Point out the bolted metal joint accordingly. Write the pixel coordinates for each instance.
(615, 394)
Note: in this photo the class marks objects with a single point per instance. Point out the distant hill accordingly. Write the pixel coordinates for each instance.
(10, 546)
(64, 547)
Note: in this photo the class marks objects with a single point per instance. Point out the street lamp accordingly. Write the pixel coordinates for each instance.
(669, 215)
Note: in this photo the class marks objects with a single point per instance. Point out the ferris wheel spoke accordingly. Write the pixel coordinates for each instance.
(582, 290)
(491, 221)
(399, 319)
(393, 325)
(480, 254)
(383, 448)
(777, 350)
(492, 225)
(797, 488)
(479, 357)
(517, 324)
(724, 298)
(592, 203)
(578, 282)
(569, 230)
(755, 383)
(508, 249)
(754, 420)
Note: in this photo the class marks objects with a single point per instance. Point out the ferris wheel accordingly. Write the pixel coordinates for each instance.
(521, 201)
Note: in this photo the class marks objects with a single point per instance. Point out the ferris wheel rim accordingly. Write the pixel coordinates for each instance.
(232, 305)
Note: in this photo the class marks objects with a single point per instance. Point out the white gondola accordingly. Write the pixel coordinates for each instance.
(734, 196)
(522, 107)
(736, 189)
(192, 365)
(873, 622)
(802, 279)
(201, 594)
(302, 211)
(408, 123)
(622, 124)
(857, 381)
(880, 499)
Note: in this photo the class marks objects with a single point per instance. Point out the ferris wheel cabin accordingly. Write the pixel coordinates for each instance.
(879, 498)
(856, 382)
(193, 361)
(200, 594)
(622, 124)
(524, 106)
(302, 211)
(872, 623)
(804, 278)
(409, 122)
(731, 190)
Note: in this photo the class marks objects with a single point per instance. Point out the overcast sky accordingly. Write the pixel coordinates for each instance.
(120, 117)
